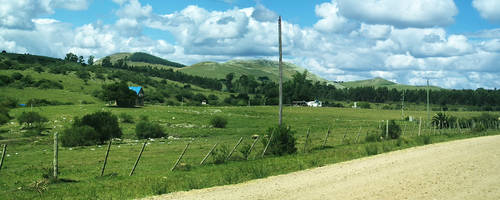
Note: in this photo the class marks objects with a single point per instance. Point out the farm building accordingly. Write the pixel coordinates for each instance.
(139, 101)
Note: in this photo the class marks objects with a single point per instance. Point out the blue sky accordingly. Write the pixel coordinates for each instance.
(455, 43)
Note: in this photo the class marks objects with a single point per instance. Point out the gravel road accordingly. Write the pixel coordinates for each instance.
(463, 169)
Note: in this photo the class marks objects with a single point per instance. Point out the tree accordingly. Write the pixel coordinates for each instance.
(106, 62)
(91, 129)
(90, 61)
(120, 93)
(229, 81)
(81, 61)
(70, 57)
(4, 114)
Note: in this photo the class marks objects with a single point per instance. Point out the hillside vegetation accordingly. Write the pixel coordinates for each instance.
(380, 82)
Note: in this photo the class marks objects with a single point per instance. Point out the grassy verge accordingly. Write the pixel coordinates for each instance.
(27, 166)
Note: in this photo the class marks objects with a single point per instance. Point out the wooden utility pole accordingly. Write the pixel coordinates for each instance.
(428, 107)
(281, 74)
(403, 106)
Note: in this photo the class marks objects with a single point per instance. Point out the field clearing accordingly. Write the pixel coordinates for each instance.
(29, 158)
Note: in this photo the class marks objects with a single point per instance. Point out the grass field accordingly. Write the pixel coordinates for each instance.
(29, 158)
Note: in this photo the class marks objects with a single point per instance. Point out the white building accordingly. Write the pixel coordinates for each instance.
(314, 103)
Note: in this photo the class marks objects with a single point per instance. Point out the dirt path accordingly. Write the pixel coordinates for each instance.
(464, 169)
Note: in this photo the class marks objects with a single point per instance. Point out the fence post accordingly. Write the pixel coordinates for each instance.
(56, 155)
(326, 138)
(386, 129)
(3, 155)
(106, 158)
(307, 139)
(235, 146)
(251, 147)
(357, 137)
(267, 145)
(208, 154)
(138, 158)
(420, 126)
(180, 157)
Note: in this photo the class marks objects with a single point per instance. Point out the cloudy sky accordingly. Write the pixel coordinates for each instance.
(456, 44)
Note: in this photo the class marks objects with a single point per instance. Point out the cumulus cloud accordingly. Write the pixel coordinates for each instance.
(331, 20)
(488, 9)
(263, 14)
(401, 14)
(19, 14)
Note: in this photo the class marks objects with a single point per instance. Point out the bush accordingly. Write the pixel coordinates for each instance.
(104, 126)
(32, 119)
(373, 137)
(126, 118)
(218, 122)
(145, 129)
(245, 151)
(371, 149)
(364, 105)
(394, 130)
(79, 136)
(4, 115)
(282, 141)
(219, 154)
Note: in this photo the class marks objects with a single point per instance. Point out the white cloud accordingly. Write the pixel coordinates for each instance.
(402, 14)
(263, 14)
(491, 45)
(331, 20)
(18, 14)
(488, 9)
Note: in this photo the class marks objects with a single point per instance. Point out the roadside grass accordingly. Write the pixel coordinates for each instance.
(22, 176)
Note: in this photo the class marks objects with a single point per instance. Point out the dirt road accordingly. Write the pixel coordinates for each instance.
(464, 169)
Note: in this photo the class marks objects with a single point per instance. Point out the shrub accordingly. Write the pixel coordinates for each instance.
(126, 118)
(373, 137)
(79, 136)
(426, 139)
(245, 151)
(218, 122)
(364, 105)
(219, 154)
(282, 141)
(371, 149)
(32, 119)
(16, 76)
(145, 129)
(104, 126)
(394, 130)
(4, 115)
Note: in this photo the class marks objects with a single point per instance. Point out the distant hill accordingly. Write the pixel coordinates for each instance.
(380, 82)
(256, 68)
(143, 59)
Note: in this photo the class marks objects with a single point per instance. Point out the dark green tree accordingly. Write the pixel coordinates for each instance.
(90, 61)
(120, 93)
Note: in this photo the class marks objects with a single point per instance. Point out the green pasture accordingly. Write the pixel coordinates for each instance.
(29, 158)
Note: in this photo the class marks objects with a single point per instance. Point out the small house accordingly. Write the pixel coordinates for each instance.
(139, 101)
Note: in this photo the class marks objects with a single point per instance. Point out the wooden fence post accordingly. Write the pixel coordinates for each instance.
(56, 156)
(357, 137)
(307, 139)
(208, 154)
(138, 158)
(420, 126)
(386, 129)
(267, 145)
(251, 147)
(3, 155)
(106, 158)
(235, 146)
(404, 129)
(326, 138)
(180, 157)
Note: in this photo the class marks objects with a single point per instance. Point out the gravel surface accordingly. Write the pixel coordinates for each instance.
(463, 169)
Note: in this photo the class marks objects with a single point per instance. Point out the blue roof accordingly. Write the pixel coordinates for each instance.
(136, 89)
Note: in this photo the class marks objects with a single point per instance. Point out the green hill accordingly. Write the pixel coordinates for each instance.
(256, 68)
(380, 82)
(142, 59)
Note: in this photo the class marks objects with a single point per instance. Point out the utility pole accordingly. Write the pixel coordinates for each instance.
(428, 108)
(403, 105)
(281, 74)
